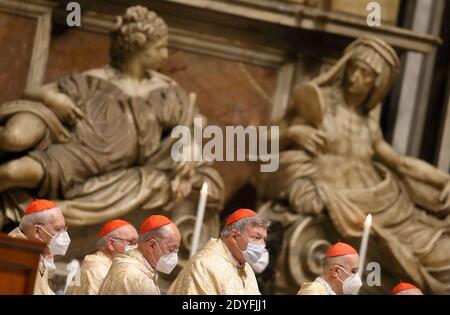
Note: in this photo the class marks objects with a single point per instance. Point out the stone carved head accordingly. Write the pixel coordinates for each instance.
(142, 34)
(369, 65)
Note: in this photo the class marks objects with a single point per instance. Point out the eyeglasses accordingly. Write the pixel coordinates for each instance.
(57, 230)
(130, 242)
(352, 271)
(260, 241)
(171, 252)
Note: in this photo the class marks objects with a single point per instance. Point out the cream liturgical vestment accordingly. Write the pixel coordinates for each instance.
(130, 274)
(41, 286)
(318, 287)
(93, 270)
(214, 270)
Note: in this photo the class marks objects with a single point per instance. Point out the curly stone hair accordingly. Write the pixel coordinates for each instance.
(135, 30)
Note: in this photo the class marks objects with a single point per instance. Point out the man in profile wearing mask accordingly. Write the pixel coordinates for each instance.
(115, 237)
(43, 221)
(223, 266)
(134, 272)
(340, 273)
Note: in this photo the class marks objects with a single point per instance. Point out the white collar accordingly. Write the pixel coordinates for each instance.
(325, 285)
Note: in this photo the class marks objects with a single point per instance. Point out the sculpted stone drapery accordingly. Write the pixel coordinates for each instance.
(335, 161)
(99, 141)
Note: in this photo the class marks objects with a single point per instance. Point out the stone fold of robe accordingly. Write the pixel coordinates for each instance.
(92, 272)
(130, 274)
(41, 286)
(117, 159)
(214, 271)
(317, 287)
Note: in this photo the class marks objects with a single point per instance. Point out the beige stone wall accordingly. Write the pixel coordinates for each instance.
(389, 8)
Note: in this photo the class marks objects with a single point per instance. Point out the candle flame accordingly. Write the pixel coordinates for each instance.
(204, 188)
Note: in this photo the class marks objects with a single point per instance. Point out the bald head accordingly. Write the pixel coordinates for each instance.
(405, 288)
(128, 232)
(52, 217)
(350, 262)
(410, 292)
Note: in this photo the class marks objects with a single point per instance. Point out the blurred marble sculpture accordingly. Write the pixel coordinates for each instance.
(99, 142)
(335, 162)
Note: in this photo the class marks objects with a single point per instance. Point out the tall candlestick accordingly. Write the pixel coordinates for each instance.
(199, 219)
(364, 243)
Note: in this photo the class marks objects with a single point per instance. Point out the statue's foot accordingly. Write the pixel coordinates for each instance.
(24, 172)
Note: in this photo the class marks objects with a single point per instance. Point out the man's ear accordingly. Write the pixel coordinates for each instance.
(151, 243)
(333, 271)
(110, 244)
(35, 232)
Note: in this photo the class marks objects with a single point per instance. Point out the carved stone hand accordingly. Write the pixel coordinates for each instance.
(312, 139)
(445, 195)
(63, 107)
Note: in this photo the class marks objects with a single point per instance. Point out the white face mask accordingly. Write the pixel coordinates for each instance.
(253, 252)
(262, 263)
(166, 263)
(49, 264)
(59, 243)
(352, 284)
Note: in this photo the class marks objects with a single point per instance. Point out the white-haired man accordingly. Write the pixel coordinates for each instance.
(43, 221)
(134, 272)
(115, 237)
(340, 273)
(223, 266)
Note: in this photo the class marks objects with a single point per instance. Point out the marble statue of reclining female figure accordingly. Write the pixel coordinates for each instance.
(338, 160)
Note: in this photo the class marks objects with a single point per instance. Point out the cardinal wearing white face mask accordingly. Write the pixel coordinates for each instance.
(262, 263)
(135, 271)
(340, 273)
(224, 266)
(43, 221)
(115, 237)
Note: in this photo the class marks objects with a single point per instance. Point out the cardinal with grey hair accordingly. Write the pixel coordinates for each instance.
(224, 265)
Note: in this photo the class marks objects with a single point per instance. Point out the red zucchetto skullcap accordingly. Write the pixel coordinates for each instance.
(154, 222)
(403, 286)
(40, 205)
(239, 215)
(112, 226)
(340, 249)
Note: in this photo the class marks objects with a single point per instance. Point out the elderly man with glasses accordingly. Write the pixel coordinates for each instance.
(224, 266)
(116, 237)
(134, 272)
(43, 221)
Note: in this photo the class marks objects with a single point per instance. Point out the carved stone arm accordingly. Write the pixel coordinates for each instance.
(410, 166)
(59, 103)
(41, 92)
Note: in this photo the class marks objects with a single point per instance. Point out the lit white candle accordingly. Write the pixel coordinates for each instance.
(364, 243)
(199, 219)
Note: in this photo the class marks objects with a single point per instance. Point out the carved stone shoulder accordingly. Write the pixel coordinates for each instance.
(162, 77)
(309, 103)
(105, 72)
